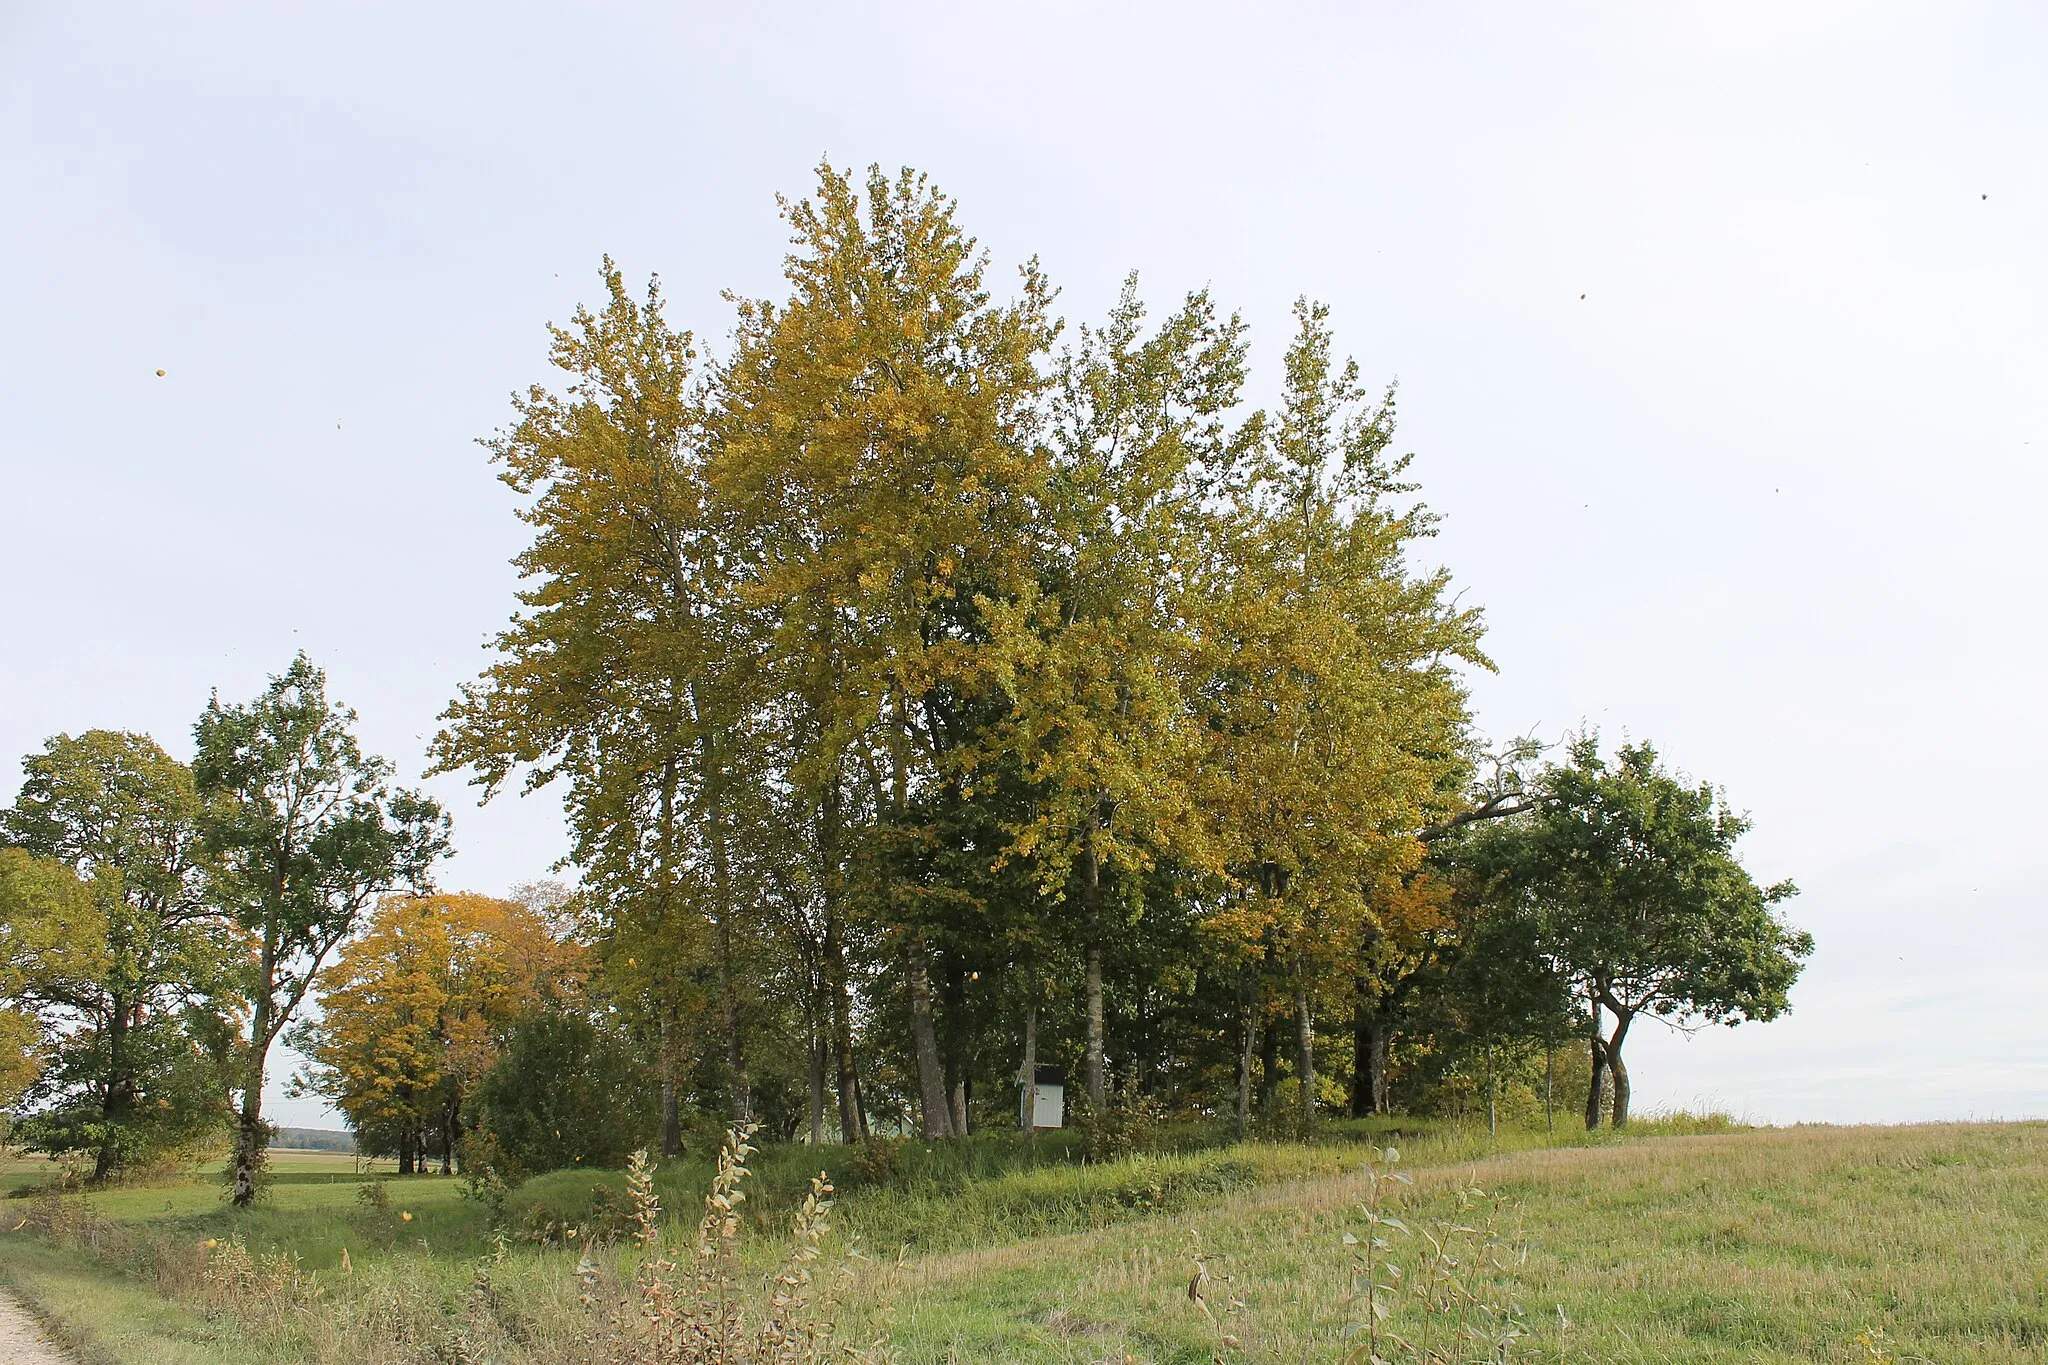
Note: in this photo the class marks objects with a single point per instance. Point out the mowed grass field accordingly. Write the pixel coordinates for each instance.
(1762, 1246)
(1757, 1245)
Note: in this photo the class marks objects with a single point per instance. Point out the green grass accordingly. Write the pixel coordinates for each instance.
(1772, 1246)
(1755, 1246)
(107, 1318)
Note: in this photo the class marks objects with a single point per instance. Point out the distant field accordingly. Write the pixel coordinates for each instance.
(17, 1167)
(1761, 1246)
(15, 1164)
(294, 1159)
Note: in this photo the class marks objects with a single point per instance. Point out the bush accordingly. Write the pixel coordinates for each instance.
(877, 1161)
(1129, 1123)
(565, 1092)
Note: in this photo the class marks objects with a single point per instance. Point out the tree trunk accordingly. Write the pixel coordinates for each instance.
(1249, 1031)
(724, 906)
(1140, 1042)
(1305, 1046)
(1371, 1044)
(1094, 1068)
(1269, 1066)
(1094, 1064)
(852, 1123)
(120, 1094)
(1492, 1111)
(735, 1053)
(448, 1125)
(955, 1043)
(846, 1081)
(1596, 1092)
(249, 1133)
(671, 1098)
(931, 1079)
(818, 1085)
(1027, 1076)
(1549, 1069)
(1617, 1069)
(728, 992)
(1361, 1051)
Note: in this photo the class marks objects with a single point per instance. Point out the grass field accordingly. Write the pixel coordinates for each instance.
(1761, 1245)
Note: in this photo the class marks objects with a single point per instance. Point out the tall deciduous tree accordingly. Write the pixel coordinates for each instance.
(1096, 657)
(876, 444)
(1629, 885)
(1337, 718)
(127, 1082)
(303, 831)
(628, 674)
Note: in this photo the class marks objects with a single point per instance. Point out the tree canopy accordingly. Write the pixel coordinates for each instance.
(137, 1035)
(302, 831)
(936, 690)
(1625, 882)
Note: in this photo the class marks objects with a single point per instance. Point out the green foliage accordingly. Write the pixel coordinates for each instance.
(1129, 1122)
(1636, 890)
(302, 831)
(138, 1041)
(565, 1091)
(1624, 886)
(52, 942)
(178, 1096)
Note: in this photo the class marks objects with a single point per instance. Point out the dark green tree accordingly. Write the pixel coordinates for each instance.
(1626, 885)
(302, 830)
(566, 1091)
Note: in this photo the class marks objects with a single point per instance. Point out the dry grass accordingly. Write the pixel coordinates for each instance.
(1765, 1246)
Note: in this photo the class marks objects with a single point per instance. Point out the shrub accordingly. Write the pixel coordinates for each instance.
(1129, 1123)
(878, 1161)
(564, 1092)
(374, 1197)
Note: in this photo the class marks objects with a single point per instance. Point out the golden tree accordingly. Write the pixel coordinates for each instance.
(412, 1011)
(875, 445)
(1336, 717)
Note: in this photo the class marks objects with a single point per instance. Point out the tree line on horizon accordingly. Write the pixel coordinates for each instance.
(934, 695)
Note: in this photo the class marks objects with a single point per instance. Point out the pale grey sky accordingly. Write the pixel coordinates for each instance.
(1720, 329)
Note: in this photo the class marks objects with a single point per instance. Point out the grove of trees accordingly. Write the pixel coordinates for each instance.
(935, 692)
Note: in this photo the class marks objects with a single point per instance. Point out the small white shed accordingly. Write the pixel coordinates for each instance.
(1049, 1098)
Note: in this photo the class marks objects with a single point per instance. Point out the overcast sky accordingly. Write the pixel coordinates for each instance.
(1721, 330)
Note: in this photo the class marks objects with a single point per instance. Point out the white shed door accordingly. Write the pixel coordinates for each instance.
(1048, 1106)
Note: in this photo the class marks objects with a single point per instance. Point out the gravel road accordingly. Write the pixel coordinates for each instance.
(22, 1340)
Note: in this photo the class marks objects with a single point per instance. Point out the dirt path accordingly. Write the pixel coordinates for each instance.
(22, 1340)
